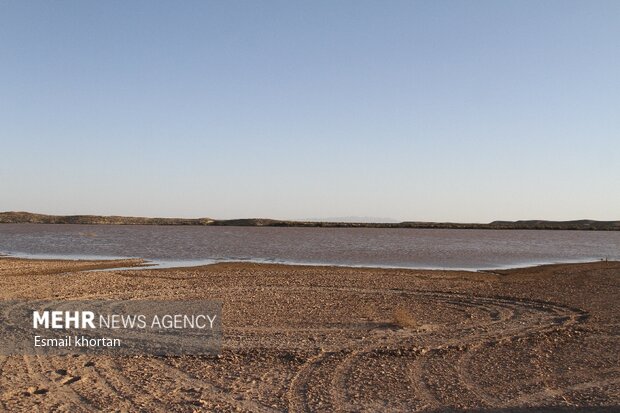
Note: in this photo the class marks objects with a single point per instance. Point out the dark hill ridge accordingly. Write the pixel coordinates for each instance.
(27, 217)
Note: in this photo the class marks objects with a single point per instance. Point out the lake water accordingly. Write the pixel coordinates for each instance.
(375, 247)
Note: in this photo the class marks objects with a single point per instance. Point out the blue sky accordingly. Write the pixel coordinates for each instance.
(415, 110)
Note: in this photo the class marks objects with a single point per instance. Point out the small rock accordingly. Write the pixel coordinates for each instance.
(35, 390)
(70, 380)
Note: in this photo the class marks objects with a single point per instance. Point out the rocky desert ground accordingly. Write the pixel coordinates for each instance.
(336, 339)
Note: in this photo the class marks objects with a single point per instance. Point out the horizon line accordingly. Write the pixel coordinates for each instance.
(32, 217)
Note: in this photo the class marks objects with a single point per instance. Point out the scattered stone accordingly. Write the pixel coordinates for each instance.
(70, 380)
(35, 390)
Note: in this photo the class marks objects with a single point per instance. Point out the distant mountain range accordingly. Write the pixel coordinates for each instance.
(373, 220)
(27, 217)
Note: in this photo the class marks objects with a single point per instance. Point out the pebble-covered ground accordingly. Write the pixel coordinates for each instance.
(333, 339)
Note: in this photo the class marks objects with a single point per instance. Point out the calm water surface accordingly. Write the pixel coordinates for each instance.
(411, 248)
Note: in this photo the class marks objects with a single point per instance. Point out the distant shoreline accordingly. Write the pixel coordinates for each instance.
(31, 218)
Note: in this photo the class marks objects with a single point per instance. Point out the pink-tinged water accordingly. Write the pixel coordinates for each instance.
(412, 248)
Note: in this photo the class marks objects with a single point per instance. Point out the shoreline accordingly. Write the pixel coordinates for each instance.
(157, 264)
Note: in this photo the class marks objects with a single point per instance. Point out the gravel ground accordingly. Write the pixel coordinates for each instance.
(334, 339)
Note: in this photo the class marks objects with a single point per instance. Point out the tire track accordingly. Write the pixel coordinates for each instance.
(510, 319)
(180, 376)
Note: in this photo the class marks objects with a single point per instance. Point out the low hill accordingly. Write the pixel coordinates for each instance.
(27, 217)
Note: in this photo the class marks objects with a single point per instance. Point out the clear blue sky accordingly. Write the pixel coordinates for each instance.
(417, 110)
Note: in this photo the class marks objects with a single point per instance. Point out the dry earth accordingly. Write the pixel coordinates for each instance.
(326, 339)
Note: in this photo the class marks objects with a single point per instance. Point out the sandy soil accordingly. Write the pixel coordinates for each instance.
(325, 339)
